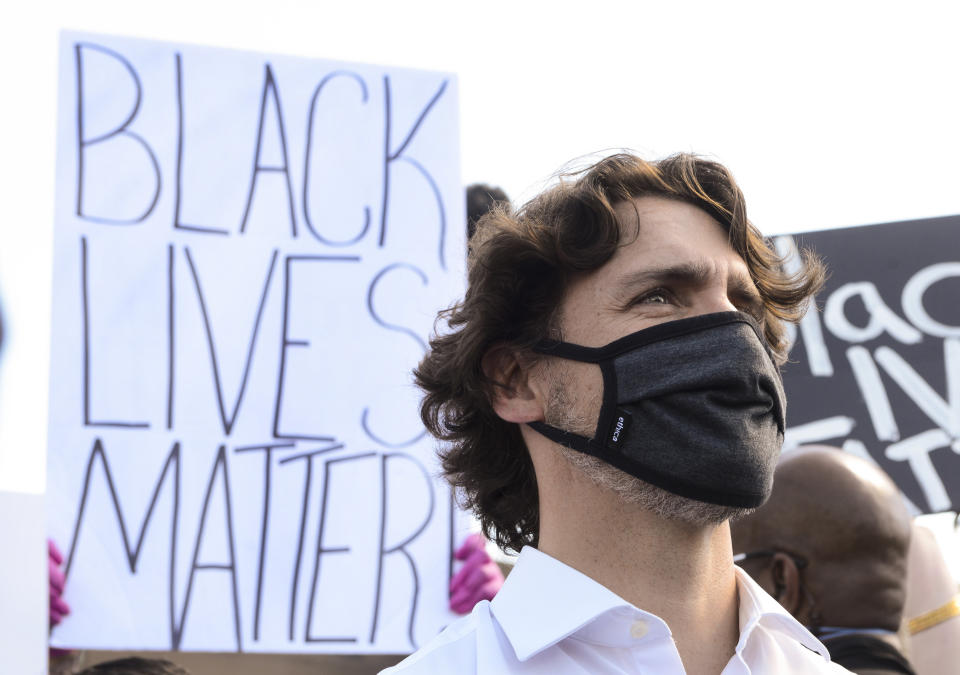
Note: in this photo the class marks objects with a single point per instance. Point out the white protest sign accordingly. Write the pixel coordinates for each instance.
(250, 252)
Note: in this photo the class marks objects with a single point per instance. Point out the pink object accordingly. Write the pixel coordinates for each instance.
(58, 608)
(478, 579)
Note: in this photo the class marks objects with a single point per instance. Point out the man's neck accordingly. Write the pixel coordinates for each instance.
(680, 572)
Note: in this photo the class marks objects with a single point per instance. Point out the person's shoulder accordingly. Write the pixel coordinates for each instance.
(454, 650)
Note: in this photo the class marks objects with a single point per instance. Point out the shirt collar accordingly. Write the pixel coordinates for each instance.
(757, 608)
(544, 601)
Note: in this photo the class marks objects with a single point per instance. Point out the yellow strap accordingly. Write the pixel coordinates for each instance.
(935, 616)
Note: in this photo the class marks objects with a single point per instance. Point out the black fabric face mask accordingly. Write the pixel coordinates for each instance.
(694, 406)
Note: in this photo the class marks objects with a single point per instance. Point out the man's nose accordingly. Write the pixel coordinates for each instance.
(715, 300)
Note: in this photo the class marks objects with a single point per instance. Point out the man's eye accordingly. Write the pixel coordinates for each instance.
(658, 297)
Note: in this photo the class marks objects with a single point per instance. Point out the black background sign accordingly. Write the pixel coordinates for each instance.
(877, 369)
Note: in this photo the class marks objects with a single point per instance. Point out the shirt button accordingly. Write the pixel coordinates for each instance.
(638, 629)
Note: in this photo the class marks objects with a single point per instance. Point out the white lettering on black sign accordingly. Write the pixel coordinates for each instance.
(878, 369)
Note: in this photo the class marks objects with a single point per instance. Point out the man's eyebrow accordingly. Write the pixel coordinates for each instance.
(691, 272)
(694, 272)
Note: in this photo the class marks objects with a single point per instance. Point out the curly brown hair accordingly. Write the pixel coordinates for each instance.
(519, 267)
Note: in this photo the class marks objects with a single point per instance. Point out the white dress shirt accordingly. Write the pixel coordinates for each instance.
(550, 619)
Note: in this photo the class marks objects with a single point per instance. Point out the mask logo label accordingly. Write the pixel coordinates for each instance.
(618, 431)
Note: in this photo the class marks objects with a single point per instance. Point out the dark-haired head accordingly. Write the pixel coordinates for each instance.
(520, 264)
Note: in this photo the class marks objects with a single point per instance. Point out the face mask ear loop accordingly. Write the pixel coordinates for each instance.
(596, 446)
(567, 439)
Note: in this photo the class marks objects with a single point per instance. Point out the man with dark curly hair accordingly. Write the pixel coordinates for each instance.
(609, 395)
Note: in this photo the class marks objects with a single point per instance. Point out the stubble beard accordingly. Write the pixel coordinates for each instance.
(560, 413)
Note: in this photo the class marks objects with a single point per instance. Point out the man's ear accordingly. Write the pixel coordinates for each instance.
(786, 582)
(514, 396)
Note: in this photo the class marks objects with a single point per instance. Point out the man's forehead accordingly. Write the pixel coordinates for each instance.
(632, 212)
(663, 232)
